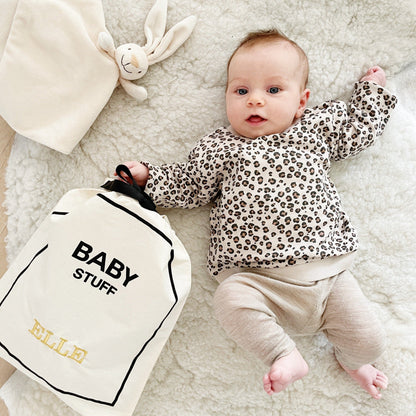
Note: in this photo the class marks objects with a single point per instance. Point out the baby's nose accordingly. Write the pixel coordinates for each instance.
(256, 99)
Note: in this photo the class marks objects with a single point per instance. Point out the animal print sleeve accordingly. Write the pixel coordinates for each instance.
(190, 184)
(356, 125)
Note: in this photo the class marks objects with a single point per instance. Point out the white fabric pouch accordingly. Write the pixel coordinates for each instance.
(88, 304)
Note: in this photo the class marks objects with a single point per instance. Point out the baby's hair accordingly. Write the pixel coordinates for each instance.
(273, 35)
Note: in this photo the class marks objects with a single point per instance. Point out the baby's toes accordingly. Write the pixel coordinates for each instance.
(267, 384)
(381, 381)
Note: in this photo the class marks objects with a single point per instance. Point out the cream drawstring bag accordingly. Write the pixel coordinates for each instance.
(88, 304)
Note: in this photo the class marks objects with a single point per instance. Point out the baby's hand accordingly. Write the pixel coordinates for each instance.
(139, 171)
(375, 74)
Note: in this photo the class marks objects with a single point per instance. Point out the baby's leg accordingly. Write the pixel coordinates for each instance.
(357, 335)
(248, 317)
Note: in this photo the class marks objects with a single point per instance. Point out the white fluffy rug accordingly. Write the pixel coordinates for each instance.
(201, 372)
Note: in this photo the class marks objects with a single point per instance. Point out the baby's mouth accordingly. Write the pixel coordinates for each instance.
(255, 119)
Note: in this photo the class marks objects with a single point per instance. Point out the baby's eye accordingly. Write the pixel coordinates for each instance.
(242, 91)
(274, 90)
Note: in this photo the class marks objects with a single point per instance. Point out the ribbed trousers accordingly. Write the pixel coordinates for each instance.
(260, 310)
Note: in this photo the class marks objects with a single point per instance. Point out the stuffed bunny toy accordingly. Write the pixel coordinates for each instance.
(134, 60)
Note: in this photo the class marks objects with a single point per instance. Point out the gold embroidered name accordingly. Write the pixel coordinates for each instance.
(57, 344)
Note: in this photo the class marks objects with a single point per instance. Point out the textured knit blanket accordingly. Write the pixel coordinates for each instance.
(201, 372)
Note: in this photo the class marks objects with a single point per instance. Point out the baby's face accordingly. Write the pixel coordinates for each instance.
(265, 93)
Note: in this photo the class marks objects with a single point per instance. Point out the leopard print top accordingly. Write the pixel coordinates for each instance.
(274, 203)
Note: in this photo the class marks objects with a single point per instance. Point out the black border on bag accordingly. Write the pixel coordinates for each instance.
(117, 396)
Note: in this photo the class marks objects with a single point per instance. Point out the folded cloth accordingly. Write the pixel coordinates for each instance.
(54, 79)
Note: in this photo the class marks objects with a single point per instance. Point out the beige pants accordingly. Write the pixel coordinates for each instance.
(254, 306)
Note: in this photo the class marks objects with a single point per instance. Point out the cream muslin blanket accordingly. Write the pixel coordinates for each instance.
(54, 80)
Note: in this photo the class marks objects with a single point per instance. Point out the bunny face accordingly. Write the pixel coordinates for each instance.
(132, 61)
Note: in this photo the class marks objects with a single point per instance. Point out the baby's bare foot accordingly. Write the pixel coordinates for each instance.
(370, 379)
(284, 372)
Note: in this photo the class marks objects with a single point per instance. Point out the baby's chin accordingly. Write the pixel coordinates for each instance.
(259, 128)
(259, 133)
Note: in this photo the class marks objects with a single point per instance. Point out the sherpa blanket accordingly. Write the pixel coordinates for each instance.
(200, 371)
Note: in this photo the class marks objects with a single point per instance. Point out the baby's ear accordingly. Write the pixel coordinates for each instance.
(304, 97)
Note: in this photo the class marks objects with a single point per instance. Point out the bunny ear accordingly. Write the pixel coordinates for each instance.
(176, 36)
(155, 25)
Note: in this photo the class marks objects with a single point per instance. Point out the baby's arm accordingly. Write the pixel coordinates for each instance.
(375, 74)
(188, 184)
(355, 125)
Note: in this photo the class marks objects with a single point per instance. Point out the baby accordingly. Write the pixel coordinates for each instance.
(281, 243)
